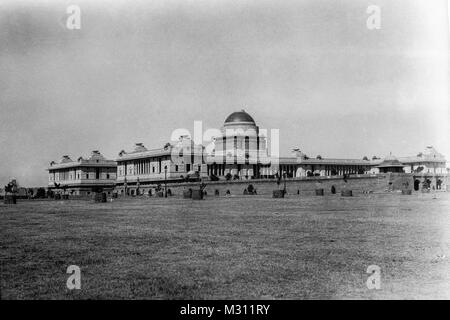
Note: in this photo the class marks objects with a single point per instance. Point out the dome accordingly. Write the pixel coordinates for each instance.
(65, 159)
(239, 116)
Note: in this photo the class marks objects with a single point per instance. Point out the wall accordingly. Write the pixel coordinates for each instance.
(358, 184)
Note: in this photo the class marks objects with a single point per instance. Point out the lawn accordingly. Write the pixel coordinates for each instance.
(247, 247)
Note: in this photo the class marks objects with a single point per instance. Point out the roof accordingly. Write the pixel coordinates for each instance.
(430, 154)
(144, 154)
(390, 162)
(95, 160)
(335, 161)
(239, 116)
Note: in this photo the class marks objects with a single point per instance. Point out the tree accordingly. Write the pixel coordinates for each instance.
(40, 193)
(228, 176)
(319, 157)
(12, 187)
(365, 158)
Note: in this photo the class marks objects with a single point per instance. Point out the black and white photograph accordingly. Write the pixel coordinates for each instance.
(236, 151)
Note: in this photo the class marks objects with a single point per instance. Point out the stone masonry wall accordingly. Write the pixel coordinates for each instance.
(304, 186)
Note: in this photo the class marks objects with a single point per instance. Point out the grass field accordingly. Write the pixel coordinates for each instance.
(237, 247)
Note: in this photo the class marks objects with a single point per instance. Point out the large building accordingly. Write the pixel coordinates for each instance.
(240, 152)
(428, 161)
(82, 177)
(243, 152)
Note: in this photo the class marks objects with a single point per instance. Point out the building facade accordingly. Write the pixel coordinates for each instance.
(239, 152)
(82, 177)
(139, 171)
(427, 162)
(242, 152)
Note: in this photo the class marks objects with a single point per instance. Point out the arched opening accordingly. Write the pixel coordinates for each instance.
(438, 184)
(416, 185)
(333, 189)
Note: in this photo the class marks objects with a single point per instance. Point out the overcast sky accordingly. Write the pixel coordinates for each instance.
(137, 70)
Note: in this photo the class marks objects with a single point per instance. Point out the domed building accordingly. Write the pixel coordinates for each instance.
(240, 150)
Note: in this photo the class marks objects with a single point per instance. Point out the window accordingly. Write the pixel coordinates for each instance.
(188, 167)
(176, 168)
(97, 173)
(107, 176)
(87, 175)
(153, 169)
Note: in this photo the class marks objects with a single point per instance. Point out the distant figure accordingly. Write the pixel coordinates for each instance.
(333, 189)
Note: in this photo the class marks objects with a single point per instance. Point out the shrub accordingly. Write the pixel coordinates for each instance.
(40, 193)
(213, 177)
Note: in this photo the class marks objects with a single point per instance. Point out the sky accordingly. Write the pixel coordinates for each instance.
(137, 70)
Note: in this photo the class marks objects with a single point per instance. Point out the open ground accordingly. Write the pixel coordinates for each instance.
(245, 247)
